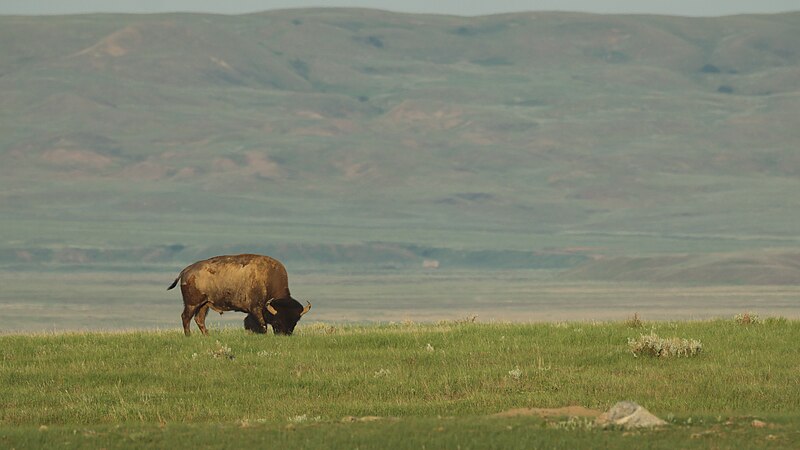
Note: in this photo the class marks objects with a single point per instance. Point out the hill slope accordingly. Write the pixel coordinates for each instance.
(533, 132)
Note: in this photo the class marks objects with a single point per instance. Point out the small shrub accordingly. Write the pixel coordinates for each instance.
(652, 345)
(634, 321)
(747, 318)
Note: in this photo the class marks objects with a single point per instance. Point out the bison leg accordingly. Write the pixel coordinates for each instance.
(200, 318)
(186, 317)
(192, 300)
(251, 324)
(262, 322)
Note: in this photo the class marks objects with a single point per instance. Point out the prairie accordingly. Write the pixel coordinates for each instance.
(550, 173)
(405, 385)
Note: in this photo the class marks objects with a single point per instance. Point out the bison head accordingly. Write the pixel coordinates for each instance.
(283, 314)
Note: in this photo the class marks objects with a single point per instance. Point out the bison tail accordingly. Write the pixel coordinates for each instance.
(174, 283)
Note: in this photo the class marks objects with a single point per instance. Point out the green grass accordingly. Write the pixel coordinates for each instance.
(416, 433)
(428, 384)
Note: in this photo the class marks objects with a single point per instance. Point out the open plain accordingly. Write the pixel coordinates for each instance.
(484, 211)
(404, 385)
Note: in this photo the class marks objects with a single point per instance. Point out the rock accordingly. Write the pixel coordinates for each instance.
(629, 415)
(758, 423)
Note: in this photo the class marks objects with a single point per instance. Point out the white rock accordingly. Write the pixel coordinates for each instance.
(629, 415)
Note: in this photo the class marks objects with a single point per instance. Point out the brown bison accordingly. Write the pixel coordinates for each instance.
(253, 284)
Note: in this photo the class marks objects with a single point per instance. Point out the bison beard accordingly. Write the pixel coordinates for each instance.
(253, 284)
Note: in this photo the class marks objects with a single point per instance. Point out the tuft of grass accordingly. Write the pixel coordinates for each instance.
(652, 345)
(747, 318)
(634, 321)
(515, 373)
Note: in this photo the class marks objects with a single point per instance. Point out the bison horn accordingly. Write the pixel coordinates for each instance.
(305, 310)
(271, 310)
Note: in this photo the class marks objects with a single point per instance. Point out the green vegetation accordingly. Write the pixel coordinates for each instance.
(405, 384)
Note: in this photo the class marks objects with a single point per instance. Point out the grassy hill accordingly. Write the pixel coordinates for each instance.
(754, 268)
(141, 139)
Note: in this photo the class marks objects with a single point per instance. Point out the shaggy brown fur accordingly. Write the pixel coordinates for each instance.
(253, 284)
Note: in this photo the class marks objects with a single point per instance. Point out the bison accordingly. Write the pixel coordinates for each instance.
(253, 284)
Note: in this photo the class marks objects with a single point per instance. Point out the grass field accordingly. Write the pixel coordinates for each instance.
(404, 386)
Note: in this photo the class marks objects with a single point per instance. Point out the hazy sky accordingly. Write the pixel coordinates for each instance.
(458, 7)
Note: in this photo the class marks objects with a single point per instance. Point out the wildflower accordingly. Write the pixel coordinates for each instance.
(304, 418)
(222, 351)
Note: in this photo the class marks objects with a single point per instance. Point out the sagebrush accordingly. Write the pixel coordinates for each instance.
(653, 345)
